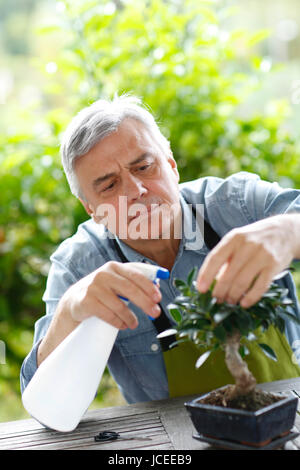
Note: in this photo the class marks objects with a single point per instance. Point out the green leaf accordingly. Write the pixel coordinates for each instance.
(244, 351)
(268, 351)
(182, 299)
(166, 333)
(202, 359)
(179, 283)
(175, 312)
(251, 337)
(243, 322)
(281, 275)
(220, 333)
(218, 317)
(280, 323)
(265, 325)
(196, 316)
(288, 315)
(191, 276)
(260, 311)
(227, 324)
(202, 323)
(190, 332)
(179, 341)
(270, 295)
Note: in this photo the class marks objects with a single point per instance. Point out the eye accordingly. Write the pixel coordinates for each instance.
(144, 167)
(110, 186)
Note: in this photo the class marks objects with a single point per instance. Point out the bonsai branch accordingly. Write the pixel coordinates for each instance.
(244, 380)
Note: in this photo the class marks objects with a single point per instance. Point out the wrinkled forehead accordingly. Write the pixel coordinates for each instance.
(136, 133)
(134, 137)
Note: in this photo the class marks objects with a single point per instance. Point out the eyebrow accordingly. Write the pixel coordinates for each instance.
(105, 177)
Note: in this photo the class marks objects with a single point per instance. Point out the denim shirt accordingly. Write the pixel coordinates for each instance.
(136, 361)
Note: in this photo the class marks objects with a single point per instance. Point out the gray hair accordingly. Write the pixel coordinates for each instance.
(97, 121)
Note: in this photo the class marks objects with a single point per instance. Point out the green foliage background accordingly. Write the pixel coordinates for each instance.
(192, 75)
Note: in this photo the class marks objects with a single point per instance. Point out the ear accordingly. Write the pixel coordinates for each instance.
(173, 164)
(89, 209)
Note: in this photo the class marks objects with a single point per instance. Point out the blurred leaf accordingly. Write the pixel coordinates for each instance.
(202, 359)
(219, 317)
(289, 316)
(166, 333)
(220, 333)
(268, 351)
(175, 312)
(191, 276)
(244, 351)
(258, 36)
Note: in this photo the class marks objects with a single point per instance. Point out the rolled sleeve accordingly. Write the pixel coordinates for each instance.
(281, 201)
(244, 198)
(29, 367)
(263, 199)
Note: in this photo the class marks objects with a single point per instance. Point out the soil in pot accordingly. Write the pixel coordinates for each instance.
(252, 402)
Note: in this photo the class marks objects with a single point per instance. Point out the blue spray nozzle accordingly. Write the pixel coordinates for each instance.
(162, 273)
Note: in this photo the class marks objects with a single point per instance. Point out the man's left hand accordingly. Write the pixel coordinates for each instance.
(247, 258)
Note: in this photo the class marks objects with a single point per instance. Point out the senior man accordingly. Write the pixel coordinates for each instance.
(122, 169)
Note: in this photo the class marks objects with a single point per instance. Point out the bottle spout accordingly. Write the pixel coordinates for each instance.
(162, 273)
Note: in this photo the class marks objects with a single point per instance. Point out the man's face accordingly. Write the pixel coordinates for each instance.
(123, 175)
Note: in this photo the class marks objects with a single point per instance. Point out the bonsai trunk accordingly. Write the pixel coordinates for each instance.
(244, 380)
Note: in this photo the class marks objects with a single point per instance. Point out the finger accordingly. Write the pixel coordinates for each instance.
(118, 285)
(212, 263)
(243, 282)
(122, 319)
(131, 273)
(259, 287)
(111, 308)
(234, 280)
(93, 307)
(116, 310)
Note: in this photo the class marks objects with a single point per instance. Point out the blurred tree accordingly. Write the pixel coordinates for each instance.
(14, 18)
(192, 74)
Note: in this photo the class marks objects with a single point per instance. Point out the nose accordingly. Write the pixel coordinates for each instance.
(133, 187)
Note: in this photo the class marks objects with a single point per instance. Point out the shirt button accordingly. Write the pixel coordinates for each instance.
(154, 347)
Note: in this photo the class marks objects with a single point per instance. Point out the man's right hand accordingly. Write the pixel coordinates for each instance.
(97, 295)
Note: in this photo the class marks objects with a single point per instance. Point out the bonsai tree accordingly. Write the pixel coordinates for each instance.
(211, 325)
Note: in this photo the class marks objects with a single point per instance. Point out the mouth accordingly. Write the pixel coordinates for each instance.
(146, 211)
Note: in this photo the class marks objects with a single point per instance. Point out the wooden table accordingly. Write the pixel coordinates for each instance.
(165, 424)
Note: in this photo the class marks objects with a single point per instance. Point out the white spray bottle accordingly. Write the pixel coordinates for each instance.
(66, 382)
